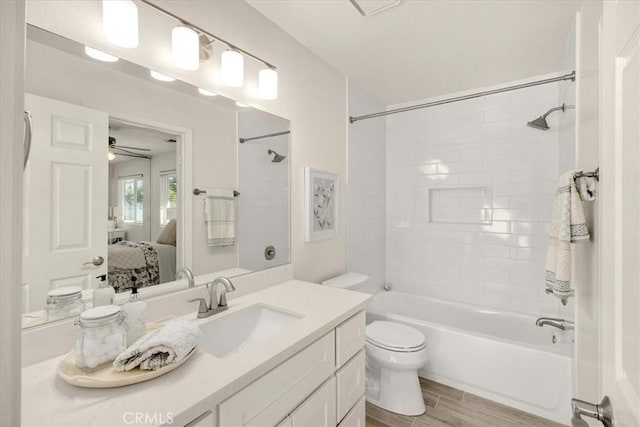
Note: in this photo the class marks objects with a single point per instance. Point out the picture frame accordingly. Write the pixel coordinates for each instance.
(321, 204)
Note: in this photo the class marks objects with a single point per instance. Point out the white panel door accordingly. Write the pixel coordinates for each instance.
(319, 410)
(65, 198)
(620, 188)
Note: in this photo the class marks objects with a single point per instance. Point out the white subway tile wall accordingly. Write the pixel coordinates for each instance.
(263, 204)
(482, 142)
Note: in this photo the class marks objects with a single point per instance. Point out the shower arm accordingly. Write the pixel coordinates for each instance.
(562, 108)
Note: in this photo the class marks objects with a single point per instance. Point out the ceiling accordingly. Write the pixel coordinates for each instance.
(150, 141)
(419, 48)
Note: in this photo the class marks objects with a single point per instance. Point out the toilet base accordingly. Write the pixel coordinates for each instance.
(395, 391)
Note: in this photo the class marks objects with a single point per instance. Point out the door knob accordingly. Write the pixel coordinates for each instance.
(97, 261)
(602, 412)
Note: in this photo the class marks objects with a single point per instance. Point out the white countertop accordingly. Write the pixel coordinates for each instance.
(204, 379)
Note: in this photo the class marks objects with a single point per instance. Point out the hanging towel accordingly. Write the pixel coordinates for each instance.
(220, 216)
(161, 347)
(567, 226)
(587, 188)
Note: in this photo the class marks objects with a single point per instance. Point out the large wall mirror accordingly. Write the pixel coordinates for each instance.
(116, 157)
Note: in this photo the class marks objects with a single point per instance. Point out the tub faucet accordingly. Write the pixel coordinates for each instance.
(562, 324)
(185, 271)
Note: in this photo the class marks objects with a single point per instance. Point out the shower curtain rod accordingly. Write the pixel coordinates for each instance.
(286, 132)
(571, 76)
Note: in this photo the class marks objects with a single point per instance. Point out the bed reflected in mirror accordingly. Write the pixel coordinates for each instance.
(143, 206)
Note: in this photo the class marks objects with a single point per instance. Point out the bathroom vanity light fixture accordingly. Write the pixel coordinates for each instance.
(99, 55)
(232, 68)
(268, 84)
(159, 76)
(185, 48)
(120, 22)
(206, 92)
(232, 60)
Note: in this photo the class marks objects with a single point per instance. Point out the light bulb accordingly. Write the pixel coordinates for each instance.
(206, 92)
(232, 68)
(111, 155)
(268, 84)
(159, 76)
(120, 22)
(185, 48)
(99, 55)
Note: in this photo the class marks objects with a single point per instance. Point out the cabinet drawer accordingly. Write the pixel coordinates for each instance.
(319, 410)
(350, 338)
(207, 419)
(357, 416)
(269, 399)
(351, 384)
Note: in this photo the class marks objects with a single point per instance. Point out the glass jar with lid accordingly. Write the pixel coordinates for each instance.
(64, 302)
(101, 336)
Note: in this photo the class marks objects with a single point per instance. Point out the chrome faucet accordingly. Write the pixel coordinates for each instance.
(562, 324)
(185, 271)
(215, 306)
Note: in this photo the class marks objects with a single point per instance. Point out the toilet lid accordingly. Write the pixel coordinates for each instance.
(394, 336)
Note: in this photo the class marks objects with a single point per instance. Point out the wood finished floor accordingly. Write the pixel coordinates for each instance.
(447, 406)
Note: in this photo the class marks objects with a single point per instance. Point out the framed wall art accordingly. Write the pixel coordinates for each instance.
(321, 204)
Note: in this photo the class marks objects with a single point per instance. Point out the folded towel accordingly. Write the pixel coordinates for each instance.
(220, 215)
(161, 347)
(567, 226)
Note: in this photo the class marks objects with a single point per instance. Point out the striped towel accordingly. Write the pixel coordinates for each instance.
(220, 216)
(568, 226)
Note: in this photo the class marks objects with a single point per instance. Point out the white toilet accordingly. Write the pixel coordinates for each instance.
(395, 353)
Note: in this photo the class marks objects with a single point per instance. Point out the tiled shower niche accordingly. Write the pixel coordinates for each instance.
(469, 205)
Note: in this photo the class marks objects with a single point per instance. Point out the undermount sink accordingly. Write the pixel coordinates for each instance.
(231, 333)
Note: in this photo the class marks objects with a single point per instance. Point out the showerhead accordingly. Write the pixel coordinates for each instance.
(277, 158)
(541, 122)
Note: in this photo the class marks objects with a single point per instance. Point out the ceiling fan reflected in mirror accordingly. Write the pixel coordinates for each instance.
(124, 150)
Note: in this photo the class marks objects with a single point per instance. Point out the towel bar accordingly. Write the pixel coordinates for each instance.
(197, 192)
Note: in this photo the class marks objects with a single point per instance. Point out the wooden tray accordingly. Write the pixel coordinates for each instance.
(106, 376)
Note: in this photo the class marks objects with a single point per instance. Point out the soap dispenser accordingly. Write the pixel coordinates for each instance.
(135, 312)
(104, 293)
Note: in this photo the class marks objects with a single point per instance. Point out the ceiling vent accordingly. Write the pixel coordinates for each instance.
(371, 7)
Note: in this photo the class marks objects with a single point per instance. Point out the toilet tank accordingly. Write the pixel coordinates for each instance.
(351, 281)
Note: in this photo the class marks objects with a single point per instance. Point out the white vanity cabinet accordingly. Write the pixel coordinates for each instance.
(322, 385)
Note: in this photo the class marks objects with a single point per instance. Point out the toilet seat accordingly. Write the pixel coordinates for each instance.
(394, 337)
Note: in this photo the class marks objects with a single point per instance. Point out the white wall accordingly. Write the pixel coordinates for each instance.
(311, 94)
(567, 95)
(366, 190)
(150, 169)
(587, 261)
(11, 161)
(263, 205)
(59, 75)
(479, 142)
(159, 163)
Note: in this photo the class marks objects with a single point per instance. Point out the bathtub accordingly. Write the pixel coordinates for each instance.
(499, 355)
